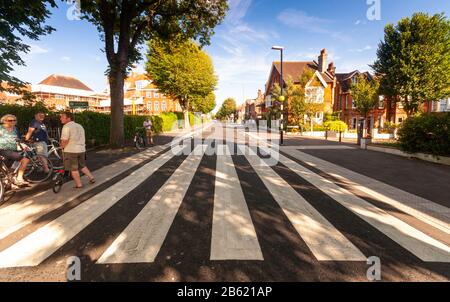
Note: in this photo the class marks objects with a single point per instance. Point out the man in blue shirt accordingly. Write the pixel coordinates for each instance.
(37, 132)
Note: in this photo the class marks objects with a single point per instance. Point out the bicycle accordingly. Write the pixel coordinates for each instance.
(35, 170)
(139, 138)
(54, 154)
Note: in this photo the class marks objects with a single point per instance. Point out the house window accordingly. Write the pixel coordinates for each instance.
(354, 123)
(141, 84)
(163, 106)
(444, 105)
(59, 97)
(400, 120)
(314, 95)
(156, 106)
(149, 106)
(381, 102)
(148, 94)
(353, 104)
(156, 95)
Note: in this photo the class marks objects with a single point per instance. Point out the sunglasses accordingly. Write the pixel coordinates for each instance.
(11, 120)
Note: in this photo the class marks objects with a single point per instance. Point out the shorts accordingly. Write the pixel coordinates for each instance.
(148, 132)
(74, 161)
(11, 155)
(41, 148)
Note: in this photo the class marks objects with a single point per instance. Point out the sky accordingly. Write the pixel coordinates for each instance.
(241, 48)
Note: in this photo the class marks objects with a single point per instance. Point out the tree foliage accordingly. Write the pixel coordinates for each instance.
(227, 109)
(414, 60)
(179, 68)
(125, 25)
(20, 19)
(365, 94)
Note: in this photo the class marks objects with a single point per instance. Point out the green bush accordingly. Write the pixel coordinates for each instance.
(336, 126)
(429, 133)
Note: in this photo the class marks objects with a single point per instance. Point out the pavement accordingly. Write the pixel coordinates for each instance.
(216, 210)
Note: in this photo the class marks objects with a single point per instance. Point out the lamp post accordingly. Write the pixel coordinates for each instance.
(281, 98)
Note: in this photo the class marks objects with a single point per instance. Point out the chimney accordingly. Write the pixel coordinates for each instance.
(323, 60)
(331, 68)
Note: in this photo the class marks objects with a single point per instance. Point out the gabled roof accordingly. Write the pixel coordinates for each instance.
(343, 78)
(64, 81)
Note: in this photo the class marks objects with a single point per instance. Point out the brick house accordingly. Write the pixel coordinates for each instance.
(321, 88)
(56, 91)
(141, 96)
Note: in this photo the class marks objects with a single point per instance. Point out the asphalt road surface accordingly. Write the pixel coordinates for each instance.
(219, 208)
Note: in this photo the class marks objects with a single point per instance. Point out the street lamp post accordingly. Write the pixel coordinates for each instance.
(281, 99)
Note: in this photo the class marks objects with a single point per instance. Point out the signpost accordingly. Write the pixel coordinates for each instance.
(78, 105)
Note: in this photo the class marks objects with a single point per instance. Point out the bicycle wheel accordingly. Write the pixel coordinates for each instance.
(58, 182)
(140, 143)
(35, 171)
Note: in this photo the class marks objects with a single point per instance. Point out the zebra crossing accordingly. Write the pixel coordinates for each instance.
(234, 236)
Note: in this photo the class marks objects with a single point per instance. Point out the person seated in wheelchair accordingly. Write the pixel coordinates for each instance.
(9, 135)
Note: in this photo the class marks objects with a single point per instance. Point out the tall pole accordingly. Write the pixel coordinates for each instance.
(281, 103)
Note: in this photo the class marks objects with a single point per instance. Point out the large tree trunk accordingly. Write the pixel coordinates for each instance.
(117, 135)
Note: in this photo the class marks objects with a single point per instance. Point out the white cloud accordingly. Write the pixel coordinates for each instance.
(65, 59)
(300, 19)
(366, 48)
(358, 22)
(36, 49)
(237, 10)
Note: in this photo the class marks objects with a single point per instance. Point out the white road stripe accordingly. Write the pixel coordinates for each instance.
(329, 147)
(423, 246)
(323, 239)
(141, 241)
(23, 213)
(233, 234)
(38, 246)
(427, 211)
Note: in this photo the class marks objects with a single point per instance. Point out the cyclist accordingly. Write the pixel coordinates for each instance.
(37, 133)
(8, 146)
(148, 130)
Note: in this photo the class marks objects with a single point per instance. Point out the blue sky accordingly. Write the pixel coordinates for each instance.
(241, 47)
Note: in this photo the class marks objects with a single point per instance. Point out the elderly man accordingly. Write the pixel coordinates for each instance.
(73, 143)
(37, 133)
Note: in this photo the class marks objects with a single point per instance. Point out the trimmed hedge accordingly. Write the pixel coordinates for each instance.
(428, 133)
(96, 125)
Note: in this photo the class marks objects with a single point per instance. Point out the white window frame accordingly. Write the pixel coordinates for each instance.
(381, 102)
(163, 106)
(156, 94)
(156, 106)
(148, 94)
(149, 106)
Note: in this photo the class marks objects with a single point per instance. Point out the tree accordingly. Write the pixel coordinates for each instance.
(179, 68)
(365, 94)
(227, 109)
(18, 19)
(204, 104)
(125, 25)
(414, 60)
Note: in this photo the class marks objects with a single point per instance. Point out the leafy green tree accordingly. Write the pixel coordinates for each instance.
(204, 104)
(125, 25)
(227, 109)
(19, 19)
(179, 68)
(365, 94)
(414, 60)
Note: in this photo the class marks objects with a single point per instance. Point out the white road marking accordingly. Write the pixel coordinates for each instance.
(423, 246)
(427, 211)
(233, 234)
(38, 246)
(142, 239)
(323, 239)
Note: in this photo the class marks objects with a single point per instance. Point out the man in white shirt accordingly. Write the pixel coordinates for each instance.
(148, 130)
(73, 143)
